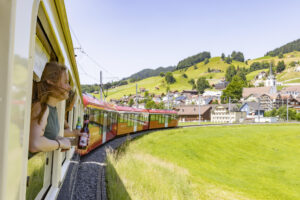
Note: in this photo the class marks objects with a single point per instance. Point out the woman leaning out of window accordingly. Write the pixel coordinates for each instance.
(44, 128)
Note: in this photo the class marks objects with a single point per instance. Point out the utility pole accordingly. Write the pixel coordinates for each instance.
(229, 103)
(258, 109)
(136, 95)
(287, 109)
(101, 97)
(229, 109)
(168, 100)
(199, 111)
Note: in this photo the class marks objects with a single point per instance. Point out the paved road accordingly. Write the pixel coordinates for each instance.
(85, 179)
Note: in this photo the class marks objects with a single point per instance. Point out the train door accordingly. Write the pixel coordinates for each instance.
(135, 118)
(166, 120)
(104, 127)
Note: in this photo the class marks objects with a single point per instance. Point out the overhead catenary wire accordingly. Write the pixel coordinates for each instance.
(80, 48)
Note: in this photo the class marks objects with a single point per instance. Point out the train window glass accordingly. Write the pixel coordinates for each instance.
(121, 118)
(36, 166)
(152, 117)
(131, 119)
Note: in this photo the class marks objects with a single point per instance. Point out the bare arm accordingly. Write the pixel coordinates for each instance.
(69, 133)
(37, 141)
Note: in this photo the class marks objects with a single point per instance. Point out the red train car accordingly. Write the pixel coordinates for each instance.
(108, 121)
(131, 120)
(162, 119)
(103, 122)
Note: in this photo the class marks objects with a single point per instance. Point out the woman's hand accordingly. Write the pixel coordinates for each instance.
(65, 143)
(77, 133)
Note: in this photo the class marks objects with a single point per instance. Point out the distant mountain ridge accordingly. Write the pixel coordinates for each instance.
(146, 73)
(287, 48)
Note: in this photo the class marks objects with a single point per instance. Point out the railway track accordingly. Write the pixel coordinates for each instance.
(85, 178)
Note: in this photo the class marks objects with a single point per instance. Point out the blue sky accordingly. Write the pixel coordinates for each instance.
(126, 36)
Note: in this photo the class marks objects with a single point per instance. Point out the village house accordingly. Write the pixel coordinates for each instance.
(261, 75)
(226, 113)
(212, 93)
(189, 92)
(252, 109)
(221, 85)
(191, 112)
(292, 90)
(142, 89)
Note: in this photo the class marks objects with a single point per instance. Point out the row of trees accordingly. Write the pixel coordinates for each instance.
(231, 71)
(238, 56)
(287, 48)
(190, 61)
(200, 85)
(282, 113)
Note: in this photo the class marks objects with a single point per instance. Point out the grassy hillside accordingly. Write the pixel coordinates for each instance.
(237, 162)
(181, 82)
(201, 70)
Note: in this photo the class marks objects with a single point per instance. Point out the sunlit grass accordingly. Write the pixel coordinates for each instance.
(236, 162)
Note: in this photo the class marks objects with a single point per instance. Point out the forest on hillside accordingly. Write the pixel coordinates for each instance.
(145, 73)
(287, 48)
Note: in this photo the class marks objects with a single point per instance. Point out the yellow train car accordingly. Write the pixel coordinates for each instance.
(32, 33)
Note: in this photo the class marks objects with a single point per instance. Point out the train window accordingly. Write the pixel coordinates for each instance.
(121, 118)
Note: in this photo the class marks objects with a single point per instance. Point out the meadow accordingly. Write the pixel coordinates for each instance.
(221, 162)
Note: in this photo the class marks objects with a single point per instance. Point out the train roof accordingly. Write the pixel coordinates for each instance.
(130, 109)
(91, 101)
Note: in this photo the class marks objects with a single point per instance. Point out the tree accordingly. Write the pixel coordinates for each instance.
(184, 76)
(233, 90)
(228, 60)
(238, 56)
(223, 56)
(242, 74)
(150, 104)
(298, 116)
(192, 60)
(202, 84)
(208, 70)
(230, 72)
(281, 112)
(280, 55)
(131, 102)
(162, 74)
(292, 64)
(146, 94)
(280, 66)
(206, 61)
(170, 78)
(192, 82)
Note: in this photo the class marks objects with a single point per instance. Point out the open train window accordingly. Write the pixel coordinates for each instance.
(40, 165)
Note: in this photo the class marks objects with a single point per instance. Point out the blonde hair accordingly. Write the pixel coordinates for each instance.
(48, 86)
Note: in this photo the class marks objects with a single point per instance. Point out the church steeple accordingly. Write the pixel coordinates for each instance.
(271, 81)
(271, 76)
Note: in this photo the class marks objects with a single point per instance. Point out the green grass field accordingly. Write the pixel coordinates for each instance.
(236, 162)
